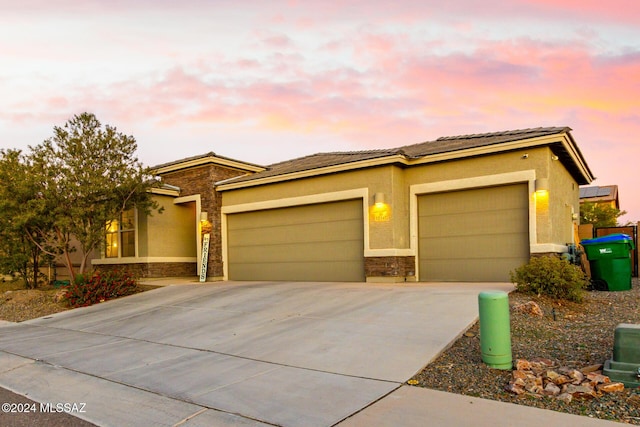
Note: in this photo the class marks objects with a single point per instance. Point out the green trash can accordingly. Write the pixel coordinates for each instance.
(610, 260)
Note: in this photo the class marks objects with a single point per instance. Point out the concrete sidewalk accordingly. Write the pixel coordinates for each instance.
(251, 354)
(417, 407)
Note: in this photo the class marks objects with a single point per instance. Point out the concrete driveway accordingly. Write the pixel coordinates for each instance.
(231, 354)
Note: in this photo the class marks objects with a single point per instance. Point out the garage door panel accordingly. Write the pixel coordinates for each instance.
(478, 270)
(304, 215)
(334, 271)
(491, 199)
(477, 234)
(498, 221)
(299, 252)
(321, 242)
(298, 233)
(482, 247)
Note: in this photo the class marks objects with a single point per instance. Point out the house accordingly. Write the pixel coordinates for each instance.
(606, 194)
(462, 208)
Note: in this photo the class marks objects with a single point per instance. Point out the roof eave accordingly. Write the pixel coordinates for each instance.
(165, 191)
(379, 161)
(578, 159)
(569, 146)
(205, 160)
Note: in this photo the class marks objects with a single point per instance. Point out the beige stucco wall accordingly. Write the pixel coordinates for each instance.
(171, 233)
(552, 223)
(564, 200)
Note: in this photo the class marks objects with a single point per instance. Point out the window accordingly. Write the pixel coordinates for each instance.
(121, 236)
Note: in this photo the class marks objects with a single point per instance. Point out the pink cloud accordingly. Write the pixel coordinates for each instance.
(279, 41)
(400, 97)
(622, 11)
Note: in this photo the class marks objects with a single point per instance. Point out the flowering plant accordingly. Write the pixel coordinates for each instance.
(101, 286)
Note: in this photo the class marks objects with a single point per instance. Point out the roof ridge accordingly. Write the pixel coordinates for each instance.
(506, 132)
(342, 153)
(202, 156)
(356, 152)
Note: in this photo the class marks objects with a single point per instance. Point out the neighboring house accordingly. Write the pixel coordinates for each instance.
(465, 208)
(606, 194)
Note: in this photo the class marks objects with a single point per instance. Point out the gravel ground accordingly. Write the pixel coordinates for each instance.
(20, 305)
(580, 335)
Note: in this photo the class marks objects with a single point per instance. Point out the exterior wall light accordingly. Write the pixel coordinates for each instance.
(542, 197)
(205, 225)
(380, 211)
(542, 185)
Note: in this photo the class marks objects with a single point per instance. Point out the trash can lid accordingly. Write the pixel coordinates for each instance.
(611, 238)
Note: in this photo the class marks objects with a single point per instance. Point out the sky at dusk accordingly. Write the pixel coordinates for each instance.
(265, 81)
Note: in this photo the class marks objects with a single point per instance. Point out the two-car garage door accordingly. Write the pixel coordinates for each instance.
(475, 235)
(318, 242)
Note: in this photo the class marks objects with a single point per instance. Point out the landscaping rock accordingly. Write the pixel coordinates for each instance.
(551, 389)
(597, 378)
(610, 387)
(592, 368)
(529, 308)
(581, 391)
(537, 379)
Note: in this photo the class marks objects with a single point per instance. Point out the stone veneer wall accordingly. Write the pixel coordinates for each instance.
(400, 267)
(200, 180)
(162, 269)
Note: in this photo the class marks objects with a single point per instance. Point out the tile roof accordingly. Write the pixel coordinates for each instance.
(415, 151)
(448, 144)
(319, 160)
(204, 156)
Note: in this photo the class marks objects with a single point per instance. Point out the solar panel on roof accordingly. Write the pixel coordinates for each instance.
(587, 192)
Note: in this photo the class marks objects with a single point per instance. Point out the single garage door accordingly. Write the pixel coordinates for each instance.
(320, 242)
(477, 235)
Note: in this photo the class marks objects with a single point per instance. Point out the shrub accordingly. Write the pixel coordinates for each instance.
(551, 276)
(101, 286)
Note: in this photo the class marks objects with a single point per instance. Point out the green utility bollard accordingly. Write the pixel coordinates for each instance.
(495, 329)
